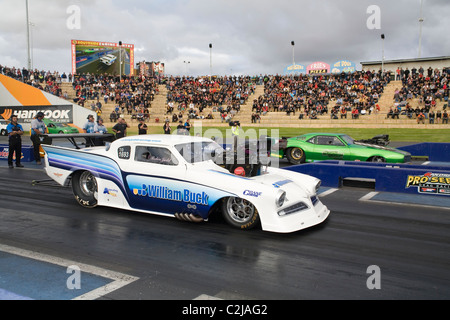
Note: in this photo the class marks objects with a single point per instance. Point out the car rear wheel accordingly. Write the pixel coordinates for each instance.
(84, 187)
(240, 213)
(295, 155)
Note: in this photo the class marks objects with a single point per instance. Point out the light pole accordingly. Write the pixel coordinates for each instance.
(210, 61)
(293, 51)
(120, 61)
(32, 53)
(382, 55)
(420, 28)
(28, 36)
(186, 66)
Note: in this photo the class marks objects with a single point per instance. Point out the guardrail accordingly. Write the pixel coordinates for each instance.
(402, 178)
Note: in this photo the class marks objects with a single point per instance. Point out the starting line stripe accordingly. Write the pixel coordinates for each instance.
(118, 279)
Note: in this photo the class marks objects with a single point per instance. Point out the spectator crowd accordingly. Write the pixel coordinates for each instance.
(307, 97)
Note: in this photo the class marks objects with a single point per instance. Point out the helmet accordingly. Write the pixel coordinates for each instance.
(40, 114)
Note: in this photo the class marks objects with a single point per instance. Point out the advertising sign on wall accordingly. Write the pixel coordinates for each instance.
(318, 68)
(25, 114)
(430, 183)
(97, 57)
(343, 66)
(295, 69)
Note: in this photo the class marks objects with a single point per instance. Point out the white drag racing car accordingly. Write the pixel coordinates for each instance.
(109, 59)
(177, 176)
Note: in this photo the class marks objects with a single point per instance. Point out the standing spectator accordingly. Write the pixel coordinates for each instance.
(15, 131)
(89, 126)
(38, 129)
(167, 129)
(187, 125)
(181, 129)
(142, 126)
(431, 117)
(445, 117)
(100, 127)
(120, 128)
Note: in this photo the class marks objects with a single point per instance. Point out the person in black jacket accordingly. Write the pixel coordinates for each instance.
(15, 131)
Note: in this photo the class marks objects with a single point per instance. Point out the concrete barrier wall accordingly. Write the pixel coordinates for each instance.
(402, 178)
(434, 151)
(27, 153)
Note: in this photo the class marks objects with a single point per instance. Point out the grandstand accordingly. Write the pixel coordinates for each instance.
(281, 119)
(251, 89)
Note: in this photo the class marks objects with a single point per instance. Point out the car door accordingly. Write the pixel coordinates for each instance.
(330, 147)
(153, 179)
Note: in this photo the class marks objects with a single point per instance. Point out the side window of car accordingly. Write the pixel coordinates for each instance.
(337, 142)
(312, 140)
(158, 155)
(124, 152)
(329, 141)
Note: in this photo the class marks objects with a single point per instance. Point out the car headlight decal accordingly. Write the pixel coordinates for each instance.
(318, 186)
(281, 197)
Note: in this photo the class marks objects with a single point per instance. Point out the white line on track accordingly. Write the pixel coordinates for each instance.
(327, 192)
(119, 279)
(368, 196)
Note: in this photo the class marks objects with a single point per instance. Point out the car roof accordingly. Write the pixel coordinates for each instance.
(162, 139)
(322, 134)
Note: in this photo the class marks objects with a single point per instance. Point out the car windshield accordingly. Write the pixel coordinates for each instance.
(347, 139)
(199, 151)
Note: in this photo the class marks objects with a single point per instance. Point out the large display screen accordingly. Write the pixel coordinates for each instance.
(97, 57)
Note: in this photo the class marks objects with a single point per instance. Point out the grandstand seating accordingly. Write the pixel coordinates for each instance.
(281, 119)
(158, 109)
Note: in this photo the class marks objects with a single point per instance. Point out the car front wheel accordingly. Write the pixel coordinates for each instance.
(84, 187)
(240, 213)
(377, 159)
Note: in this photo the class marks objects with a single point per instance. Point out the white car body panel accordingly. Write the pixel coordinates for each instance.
(187, 187)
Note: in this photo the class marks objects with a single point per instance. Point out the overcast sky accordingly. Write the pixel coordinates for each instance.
(249, 37)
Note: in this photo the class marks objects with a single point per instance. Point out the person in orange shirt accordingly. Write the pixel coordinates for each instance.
(421, 118)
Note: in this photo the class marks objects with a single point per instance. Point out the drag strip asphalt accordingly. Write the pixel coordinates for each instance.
(163, 258)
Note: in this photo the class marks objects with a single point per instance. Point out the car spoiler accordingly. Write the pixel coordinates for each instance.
(90, 139)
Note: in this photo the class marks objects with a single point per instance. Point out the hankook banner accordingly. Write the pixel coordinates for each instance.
(25, 114)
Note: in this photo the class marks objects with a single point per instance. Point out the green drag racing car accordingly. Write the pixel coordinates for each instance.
(335, 146)
(56, 127)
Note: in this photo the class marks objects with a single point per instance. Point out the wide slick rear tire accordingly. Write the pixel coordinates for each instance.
(85, 189)
(240, 213)
(295, 155)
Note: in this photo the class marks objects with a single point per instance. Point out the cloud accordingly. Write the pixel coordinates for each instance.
(249, 37)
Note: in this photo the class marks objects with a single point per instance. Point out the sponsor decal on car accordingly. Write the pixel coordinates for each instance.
(252, 193)
(161, 192)
(435, 183)
(111, 192)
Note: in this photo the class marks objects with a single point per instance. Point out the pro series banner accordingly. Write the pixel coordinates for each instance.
(430, 183)
(98, 57)
(25, 114)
